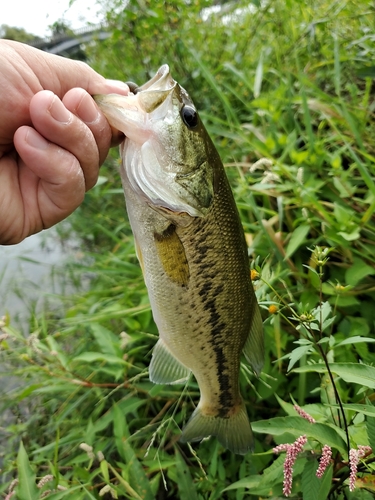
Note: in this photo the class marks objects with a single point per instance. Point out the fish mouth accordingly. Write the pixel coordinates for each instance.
(162, 80)
(151, 101)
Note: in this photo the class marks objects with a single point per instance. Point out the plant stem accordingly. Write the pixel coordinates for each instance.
(337, 396)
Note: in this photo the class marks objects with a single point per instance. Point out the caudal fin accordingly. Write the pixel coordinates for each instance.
(232, 432)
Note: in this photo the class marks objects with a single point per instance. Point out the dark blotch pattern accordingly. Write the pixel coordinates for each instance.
(166, 233)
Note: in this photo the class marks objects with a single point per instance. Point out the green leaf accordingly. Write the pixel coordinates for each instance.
(328, 322)
(365, 409)
(343, 214)
(258, 77)
(212, 470)
(26, 488)
(355, 340)
(297, 239)
(54, 346)
(357, 272)
(88, 494)
(89, 357)
(105, 339)
(355, 373)
(266, 484)
(186, 486)
(344, 300)
(126, 406)
(370, 427)
(133, 494)
(251, 481)
(297, 354)
(137, 476)
(366, 72)
(270, 476)
(104, 470)
(322, 312)
(274, 473)
(73, 493)
(354, 235)
(314, 488)
(101, 180)
(297, 426)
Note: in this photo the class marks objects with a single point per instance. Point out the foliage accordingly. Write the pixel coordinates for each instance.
(18, 34)
(283, 90)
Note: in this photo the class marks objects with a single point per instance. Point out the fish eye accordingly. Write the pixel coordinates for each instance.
(189, 116)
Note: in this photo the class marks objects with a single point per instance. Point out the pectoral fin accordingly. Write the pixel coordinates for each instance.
(165, 368)
(172, 255)
(254, 346)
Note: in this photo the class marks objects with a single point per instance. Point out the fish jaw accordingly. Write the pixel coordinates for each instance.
(134, 115)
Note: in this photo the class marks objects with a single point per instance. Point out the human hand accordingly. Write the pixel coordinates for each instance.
(53, 138)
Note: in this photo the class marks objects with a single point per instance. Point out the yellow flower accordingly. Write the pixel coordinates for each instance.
(254, 274)
(273, 309)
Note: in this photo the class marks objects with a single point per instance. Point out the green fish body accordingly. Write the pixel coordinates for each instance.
(191, 247)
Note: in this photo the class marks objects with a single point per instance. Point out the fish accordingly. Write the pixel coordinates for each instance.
(191, 247)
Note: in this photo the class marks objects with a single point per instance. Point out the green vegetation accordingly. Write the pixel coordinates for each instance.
(18, 34)
(286, 91)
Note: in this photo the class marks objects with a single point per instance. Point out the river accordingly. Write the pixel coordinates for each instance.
(30, 277)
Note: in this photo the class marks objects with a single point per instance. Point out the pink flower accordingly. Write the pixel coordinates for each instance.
(304, 414)
(354, 456)
(281, 447)
(292, 451)
(364, 450)
(353, 462)
(324, 460)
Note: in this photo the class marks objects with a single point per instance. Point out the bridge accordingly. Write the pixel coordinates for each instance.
(65, 43)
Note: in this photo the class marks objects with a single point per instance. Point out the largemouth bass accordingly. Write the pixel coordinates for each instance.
(191, 247)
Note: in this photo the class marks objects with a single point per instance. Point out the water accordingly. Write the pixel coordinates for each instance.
(29, 276)
(31, 279)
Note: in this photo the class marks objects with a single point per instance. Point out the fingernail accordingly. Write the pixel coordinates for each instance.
(87, 110)
(34, 139)
(58, 111)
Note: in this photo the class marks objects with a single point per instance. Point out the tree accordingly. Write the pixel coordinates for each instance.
(17, 34)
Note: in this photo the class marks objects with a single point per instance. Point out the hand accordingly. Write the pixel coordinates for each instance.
(53, 138)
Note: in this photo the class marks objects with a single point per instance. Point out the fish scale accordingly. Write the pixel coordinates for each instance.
(190, 243)
(219, 269)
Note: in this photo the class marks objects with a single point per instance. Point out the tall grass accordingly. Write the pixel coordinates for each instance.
(280, 93)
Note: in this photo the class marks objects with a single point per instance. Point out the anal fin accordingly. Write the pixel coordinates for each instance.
(165, 368)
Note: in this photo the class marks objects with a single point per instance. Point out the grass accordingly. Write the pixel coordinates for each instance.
(293, 122)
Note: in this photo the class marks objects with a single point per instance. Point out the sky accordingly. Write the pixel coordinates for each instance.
(36, 15)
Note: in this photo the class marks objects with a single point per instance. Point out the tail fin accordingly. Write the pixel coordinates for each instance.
(232, 432)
